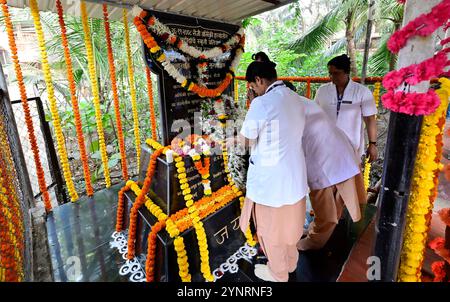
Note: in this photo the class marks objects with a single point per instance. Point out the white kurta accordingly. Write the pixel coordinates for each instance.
(330, 157)
(277, 170)
(357, 103)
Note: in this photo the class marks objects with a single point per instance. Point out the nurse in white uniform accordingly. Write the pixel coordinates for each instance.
(276, 179)
(348, 104)
(334, 177)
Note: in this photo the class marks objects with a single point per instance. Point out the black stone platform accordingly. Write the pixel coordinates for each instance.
(80, 233)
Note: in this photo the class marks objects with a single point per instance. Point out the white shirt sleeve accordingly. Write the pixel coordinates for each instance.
(318, 95)
(368, 106)
(255, 120)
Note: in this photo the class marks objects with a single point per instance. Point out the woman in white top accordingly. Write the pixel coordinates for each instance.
(347, 104)
(276, 179)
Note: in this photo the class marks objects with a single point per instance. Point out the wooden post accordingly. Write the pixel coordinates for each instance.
(400, 154)
(370, 15)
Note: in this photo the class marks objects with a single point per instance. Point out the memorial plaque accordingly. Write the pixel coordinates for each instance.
(178, 106)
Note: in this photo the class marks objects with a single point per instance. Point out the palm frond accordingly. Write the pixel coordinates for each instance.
(320, 33)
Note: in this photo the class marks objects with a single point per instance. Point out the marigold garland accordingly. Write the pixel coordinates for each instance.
(248, 234)
(424, 189)
(137, 136)
(121, 205)
(236, 92)
(95, 91)
(367, 165)
(168, 37)
(112, 74)
(10, 235)
(173, 231)
(156, 51)
(11, 218)
(26, 109)
(198, 225)
(151, 103)
(140, 200)
(74, 100)
(62, 152)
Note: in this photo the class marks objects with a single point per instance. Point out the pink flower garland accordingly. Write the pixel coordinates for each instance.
(416, 73)
(417, 103)
(423, 26)
(411, 103)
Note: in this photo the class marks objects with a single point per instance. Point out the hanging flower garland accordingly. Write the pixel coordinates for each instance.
(62, 152)
(159, 55)
(134, 109)
(248, 233)
(417, 103)
(165, 33)
(73, 97)
(422, 26)
(140, 200)
(367, 165)
(10, 185)
(151, 103)
(112, 74)
(95, 92)
(121, 206)
(26, 108)
(424, 188)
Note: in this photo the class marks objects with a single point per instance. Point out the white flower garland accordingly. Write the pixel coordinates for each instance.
(177, 76)
(215, 52)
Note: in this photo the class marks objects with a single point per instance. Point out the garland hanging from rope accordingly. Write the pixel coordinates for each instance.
(25, 106)
(61, 145)
(137, 136)
(112, 74)
(424, 189)
(74, 100)
(95, 92)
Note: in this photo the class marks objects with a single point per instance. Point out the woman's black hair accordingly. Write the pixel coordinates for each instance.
(265, 70)
(260, 56)
(341, 62)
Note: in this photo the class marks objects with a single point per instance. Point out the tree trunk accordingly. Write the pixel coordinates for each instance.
(351, 48)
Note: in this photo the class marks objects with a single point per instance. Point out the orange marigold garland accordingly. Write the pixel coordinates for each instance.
(189, 85)
(26, 109)
(140, 200)
(151, 103)
(74, 100)
(112, 73)
(121, 205)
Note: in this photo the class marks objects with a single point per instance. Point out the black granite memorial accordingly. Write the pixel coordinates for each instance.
(222, 228)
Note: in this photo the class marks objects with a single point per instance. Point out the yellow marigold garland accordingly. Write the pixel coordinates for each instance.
(95, 92)
(198, 225)
(248, 232)
(74, 100)
(62, 152)
(132, 89)
(368, 166)
(173, 231)
(423, 191)
(112, 73)
(25, 106)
